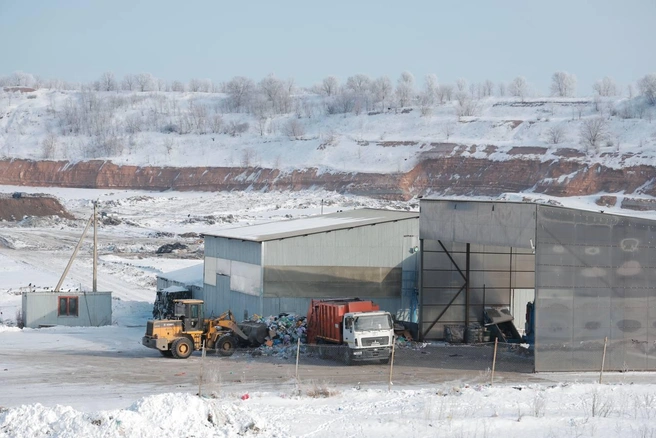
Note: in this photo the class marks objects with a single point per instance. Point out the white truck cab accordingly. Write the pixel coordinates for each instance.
(369, 335)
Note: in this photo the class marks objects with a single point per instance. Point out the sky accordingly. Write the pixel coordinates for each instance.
(78, 40)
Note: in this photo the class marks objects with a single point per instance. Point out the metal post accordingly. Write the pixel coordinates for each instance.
(603, 359)
(95, 247)
(200, 377)
(389, 385)
(467, 296)
(494, 359)
(77, 248)
(298, 353)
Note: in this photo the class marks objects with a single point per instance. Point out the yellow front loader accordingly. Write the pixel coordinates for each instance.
(188, 330)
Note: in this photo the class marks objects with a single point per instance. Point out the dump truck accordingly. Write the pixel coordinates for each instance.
(350, 329)
(188, 330)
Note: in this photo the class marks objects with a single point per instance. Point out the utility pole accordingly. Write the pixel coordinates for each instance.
(95, 246)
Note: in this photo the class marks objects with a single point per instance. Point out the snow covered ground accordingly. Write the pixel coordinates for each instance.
(70, 382)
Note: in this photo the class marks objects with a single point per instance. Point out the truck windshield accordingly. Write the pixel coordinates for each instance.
(372, 322)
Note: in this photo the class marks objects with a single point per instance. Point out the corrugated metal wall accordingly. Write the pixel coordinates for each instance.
(275, 306)
(232, 249)
(379, 245)
(596, 278)
(506, 224)
(41, 309)
(220, 253)
(494, 271)
(363, 262)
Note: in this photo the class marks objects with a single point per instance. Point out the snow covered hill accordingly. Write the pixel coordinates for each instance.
(488, 146)
(195, 129)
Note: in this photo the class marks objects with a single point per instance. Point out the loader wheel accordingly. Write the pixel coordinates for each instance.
(182, 348)
(385, 361)
(166, 353)
(226, 345)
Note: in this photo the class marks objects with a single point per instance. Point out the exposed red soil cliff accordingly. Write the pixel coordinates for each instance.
(455, 175)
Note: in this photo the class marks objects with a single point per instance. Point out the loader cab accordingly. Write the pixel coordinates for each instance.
(190, 312)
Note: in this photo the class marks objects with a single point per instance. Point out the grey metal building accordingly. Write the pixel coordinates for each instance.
(592, 273)
(79, 309)
(279, 267)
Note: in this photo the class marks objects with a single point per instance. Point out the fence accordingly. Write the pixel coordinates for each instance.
(324, 366)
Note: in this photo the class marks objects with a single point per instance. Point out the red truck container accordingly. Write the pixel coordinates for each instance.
(325, 317)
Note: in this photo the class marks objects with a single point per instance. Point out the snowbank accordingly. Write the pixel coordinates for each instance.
(319, 410)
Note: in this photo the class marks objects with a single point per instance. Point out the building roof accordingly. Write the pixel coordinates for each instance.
(314, 224)
(190, 276)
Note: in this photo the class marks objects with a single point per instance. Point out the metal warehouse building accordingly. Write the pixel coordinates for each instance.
(279, 267)
(592, 275)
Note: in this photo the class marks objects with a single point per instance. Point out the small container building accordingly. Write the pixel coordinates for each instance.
(83, 309)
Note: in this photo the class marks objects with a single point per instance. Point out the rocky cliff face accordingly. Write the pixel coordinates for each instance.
(435, 174)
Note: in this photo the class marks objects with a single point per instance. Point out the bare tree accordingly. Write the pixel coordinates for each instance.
(555, 134)
(593, 132)
(48, 146)
(294, 129)
(273, 89)
(129, 82)
(647, 86)
(405, 88)
(235, 129)
(107, 82)
(21, 79)
(605, 87)
(145, 81)
(359, 83)
(518, 87)
(239, 90)
(501, 87)
(445, 92)
(194, 85)
(359, 87)
(563, 84)
(205, 86)
(162, 85)
(472, 90)
(330, 85)
(448, 129)
(488, 88)
(381, 89)
(461, 84)
(431, 89)
(466, 106)
(177, 86)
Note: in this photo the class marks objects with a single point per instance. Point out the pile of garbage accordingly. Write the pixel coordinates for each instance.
(284, 332)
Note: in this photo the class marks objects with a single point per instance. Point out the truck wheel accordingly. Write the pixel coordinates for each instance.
(385, 361)
(182, 348)
(166, 353)
(346, 356)
(226, 345)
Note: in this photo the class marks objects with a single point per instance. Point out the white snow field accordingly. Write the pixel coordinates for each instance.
(69, 381)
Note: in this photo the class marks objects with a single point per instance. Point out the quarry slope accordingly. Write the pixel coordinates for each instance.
(448, 175)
